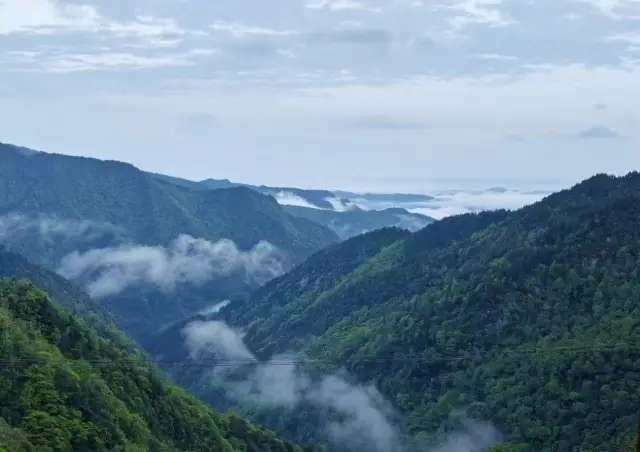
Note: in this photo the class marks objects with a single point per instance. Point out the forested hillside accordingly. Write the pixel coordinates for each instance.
(151, 211)
(65, 386)
(528, 319)
(115, 223)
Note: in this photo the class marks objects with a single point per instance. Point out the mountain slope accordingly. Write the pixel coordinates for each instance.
(529, 319)
(350, 223)
(113, 221)
(67, 384)
(150, 210)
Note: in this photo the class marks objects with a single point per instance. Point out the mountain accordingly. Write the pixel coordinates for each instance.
(528, 319)
(336, 209)
(136, 241)
(318, 198)
(70, 384)
(353, 222)
(401, 198)
(151, 211)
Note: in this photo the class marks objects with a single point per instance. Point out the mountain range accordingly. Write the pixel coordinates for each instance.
(526, 319)
(509, 330)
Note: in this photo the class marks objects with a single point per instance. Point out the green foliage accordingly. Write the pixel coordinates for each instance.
(65, 386)
(529, 319)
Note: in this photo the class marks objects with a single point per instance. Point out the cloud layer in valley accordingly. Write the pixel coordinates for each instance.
(364, 421)
(71, 247)
(336, 93)
(109, 271)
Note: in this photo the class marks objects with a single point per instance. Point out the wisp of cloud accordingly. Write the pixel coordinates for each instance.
(185, 260)
(363, 420)
(51, 228)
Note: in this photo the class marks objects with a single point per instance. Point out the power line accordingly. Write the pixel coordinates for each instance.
(282, 361)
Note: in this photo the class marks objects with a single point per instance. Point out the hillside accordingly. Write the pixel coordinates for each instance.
(66, 294)
(527, 319)
(113, 223)
(72, 385)
(354, 222)
(150, 211)
(338, 213)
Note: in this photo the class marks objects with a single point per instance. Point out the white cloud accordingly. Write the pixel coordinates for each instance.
(65, 63)
(287, 198)
(55, 16)
(483, 12)
(109, 271)
(239, 29)
(41, 16)
(342, 5)
(615, 9)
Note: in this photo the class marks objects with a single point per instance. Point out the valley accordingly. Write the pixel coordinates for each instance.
(507, 328)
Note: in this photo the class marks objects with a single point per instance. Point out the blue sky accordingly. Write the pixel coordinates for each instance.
(331, 93)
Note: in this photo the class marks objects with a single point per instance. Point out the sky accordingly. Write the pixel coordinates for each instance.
(350, 94)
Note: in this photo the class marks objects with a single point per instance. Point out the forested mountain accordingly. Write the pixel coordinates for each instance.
(336, 210)
(78, 385)
(113, 223)
(354, 222)
(529, 319)
(149, 210)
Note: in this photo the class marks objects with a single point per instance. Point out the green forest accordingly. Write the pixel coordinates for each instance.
(529, 319)
(66, 387)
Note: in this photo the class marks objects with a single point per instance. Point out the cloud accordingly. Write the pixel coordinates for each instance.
(341, 205)
(365, 417)
(356, 416)
(351, 34)
(342, 5)
(480, 12)
(411, 222)
(67, 62)
(42, 16)
(291, 199)
(109, 271)
(51, 16)
(447, 203)
(16, 226)
(386, 123)
(615, 9)
(598, 132)
(240, 30)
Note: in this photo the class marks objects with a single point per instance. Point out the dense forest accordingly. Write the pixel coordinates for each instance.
(52, 206)
(529, 319)
(65, 386)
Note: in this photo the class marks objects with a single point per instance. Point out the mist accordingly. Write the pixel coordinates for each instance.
(111, 270)
(48, 229)
(358, 416)
(287, 198)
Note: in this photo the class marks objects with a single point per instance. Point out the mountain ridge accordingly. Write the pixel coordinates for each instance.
(447, 317)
